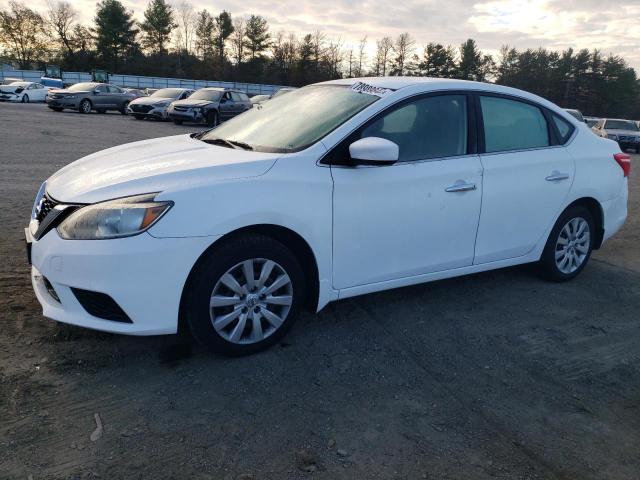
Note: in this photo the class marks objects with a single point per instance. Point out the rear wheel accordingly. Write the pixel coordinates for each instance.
(85, 106)
(244, 295)
(212, 119)
(177, 122)
(569, 246)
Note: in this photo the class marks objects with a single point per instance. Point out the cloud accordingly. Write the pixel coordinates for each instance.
(609, 25)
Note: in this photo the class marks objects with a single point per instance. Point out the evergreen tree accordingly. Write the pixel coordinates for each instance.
(115, 33)
(257, 35)
(205, 34)
(224, 29)
(438, 61)
(157, 26)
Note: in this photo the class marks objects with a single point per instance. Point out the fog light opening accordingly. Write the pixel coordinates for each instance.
(50, 289)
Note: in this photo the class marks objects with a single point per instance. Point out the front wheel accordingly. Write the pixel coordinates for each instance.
(25, 98)
(85, 106)
(569, 246)
(244, 295)
(123, 109)
(212, 119)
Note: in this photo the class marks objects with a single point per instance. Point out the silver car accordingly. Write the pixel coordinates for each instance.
(85, 97)
(156, 105)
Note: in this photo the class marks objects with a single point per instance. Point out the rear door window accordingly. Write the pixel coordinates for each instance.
(512, 125)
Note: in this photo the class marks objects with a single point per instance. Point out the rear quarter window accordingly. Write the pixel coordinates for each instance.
(565, 129)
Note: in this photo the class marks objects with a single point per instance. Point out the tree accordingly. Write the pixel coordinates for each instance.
(361, 57)
(61, 17)
(224, 28)
(157, 26)
(473, 64)
(402, 48)
(186, 18)
(115, 33)
(383, 49)
(257, 35)
(22, 34)
(438, 61)
(205, 34)
(237, 40)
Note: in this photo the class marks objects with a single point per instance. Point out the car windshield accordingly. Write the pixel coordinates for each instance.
(210, 95)
(82, 87)
(621, 125)
(168, 93)
(294, 121)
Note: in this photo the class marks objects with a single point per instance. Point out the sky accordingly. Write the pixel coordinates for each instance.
(611, 26)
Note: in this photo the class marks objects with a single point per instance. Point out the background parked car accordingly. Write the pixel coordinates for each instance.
(24, 92)
(591, 121)
(88, 96)
(135, 93)
(577, 114)
(625, 132)
(156, 104)
(209, 105)
(259, 99)
(282, 91)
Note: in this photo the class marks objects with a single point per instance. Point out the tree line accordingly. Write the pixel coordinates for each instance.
(178, 41)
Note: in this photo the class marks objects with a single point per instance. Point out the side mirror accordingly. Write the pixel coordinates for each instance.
(374, 151)
(96, 92)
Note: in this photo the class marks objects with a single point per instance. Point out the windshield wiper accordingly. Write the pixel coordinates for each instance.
(219, 141)
(244, 146)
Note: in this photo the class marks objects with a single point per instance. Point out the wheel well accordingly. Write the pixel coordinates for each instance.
(595, 209)
(287, 237)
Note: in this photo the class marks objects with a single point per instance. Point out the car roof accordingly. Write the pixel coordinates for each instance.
(438, 84)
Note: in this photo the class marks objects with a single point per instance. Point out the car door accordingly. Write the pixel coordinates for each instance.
(37, 92)
(419, 215)
(227, 106)
(527, 176)
(102, 97)
(118, 96)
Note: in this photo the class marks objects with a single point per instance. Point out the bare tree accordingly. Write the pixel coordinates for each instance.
(403, 47)
(318, 40)
(383, 49)
(361, 56)
(61, 18)
(22, 34)
(186, 19)
(237, 40)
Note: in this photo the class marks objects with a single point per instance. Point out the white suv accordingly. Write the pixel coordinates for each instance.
(333, 190)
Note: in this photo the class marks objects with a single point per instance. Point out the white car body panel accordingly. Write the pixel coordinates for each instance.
(369, 228)
(36, 92)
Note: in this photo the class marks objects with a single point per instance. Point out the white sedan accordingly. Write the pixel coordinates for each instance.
(23, 92)
(337, 189)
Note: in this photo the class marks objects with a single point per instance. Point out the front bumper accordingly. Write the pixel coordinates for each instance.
(6, 97)
(159, 113)
(144, 275)
(62, 102)
(186, 116)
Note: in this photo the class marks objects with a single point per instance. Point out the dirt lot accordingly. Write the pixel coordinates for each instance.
(498, 375)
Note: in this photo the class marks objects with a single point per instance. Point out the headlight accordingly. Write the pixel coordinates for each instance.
(69, 96)
(122, 217)
(612, 136)
(161, 104)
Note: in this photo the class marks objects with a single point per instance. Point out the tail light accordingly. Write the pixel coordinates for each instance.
(624, 160)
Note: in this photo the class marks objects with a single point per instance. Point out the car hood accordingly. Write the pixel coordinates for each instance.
(631, 133)
(10, 89)
(192, 103)
(153, 166)
(150, 100)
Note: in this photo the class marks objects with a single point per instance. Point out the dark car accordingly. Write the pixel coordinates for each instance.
(209, 105)
(88, 96)
(625, 132)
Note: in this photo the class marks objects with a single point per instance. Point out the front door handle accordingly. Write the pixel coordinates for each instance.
(460, 186)
(557, 176)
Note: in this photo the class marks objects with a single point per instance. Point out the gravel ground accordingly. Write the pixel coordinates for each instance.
(497, 375)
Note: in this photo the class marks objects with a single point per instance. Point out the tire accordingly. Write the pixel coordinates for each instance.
(25, 98)
(138, 117)
(212, 119)
(177, 122)
(575, 230)
(85, 106)
(240, 333)
(123, 110)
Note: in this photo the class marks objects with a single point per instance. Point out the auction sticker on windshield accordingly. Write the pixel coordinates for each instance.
(362, 87)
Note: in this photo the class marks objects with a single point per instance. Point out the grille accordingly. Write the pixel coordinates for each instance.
(628, 138)
(141, 108)
(46, 206)
(100, 305)
(181, 109)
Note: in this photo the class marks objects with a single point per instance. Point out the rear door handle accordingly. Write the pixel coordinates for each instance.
(460, 186)
(557, 176)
